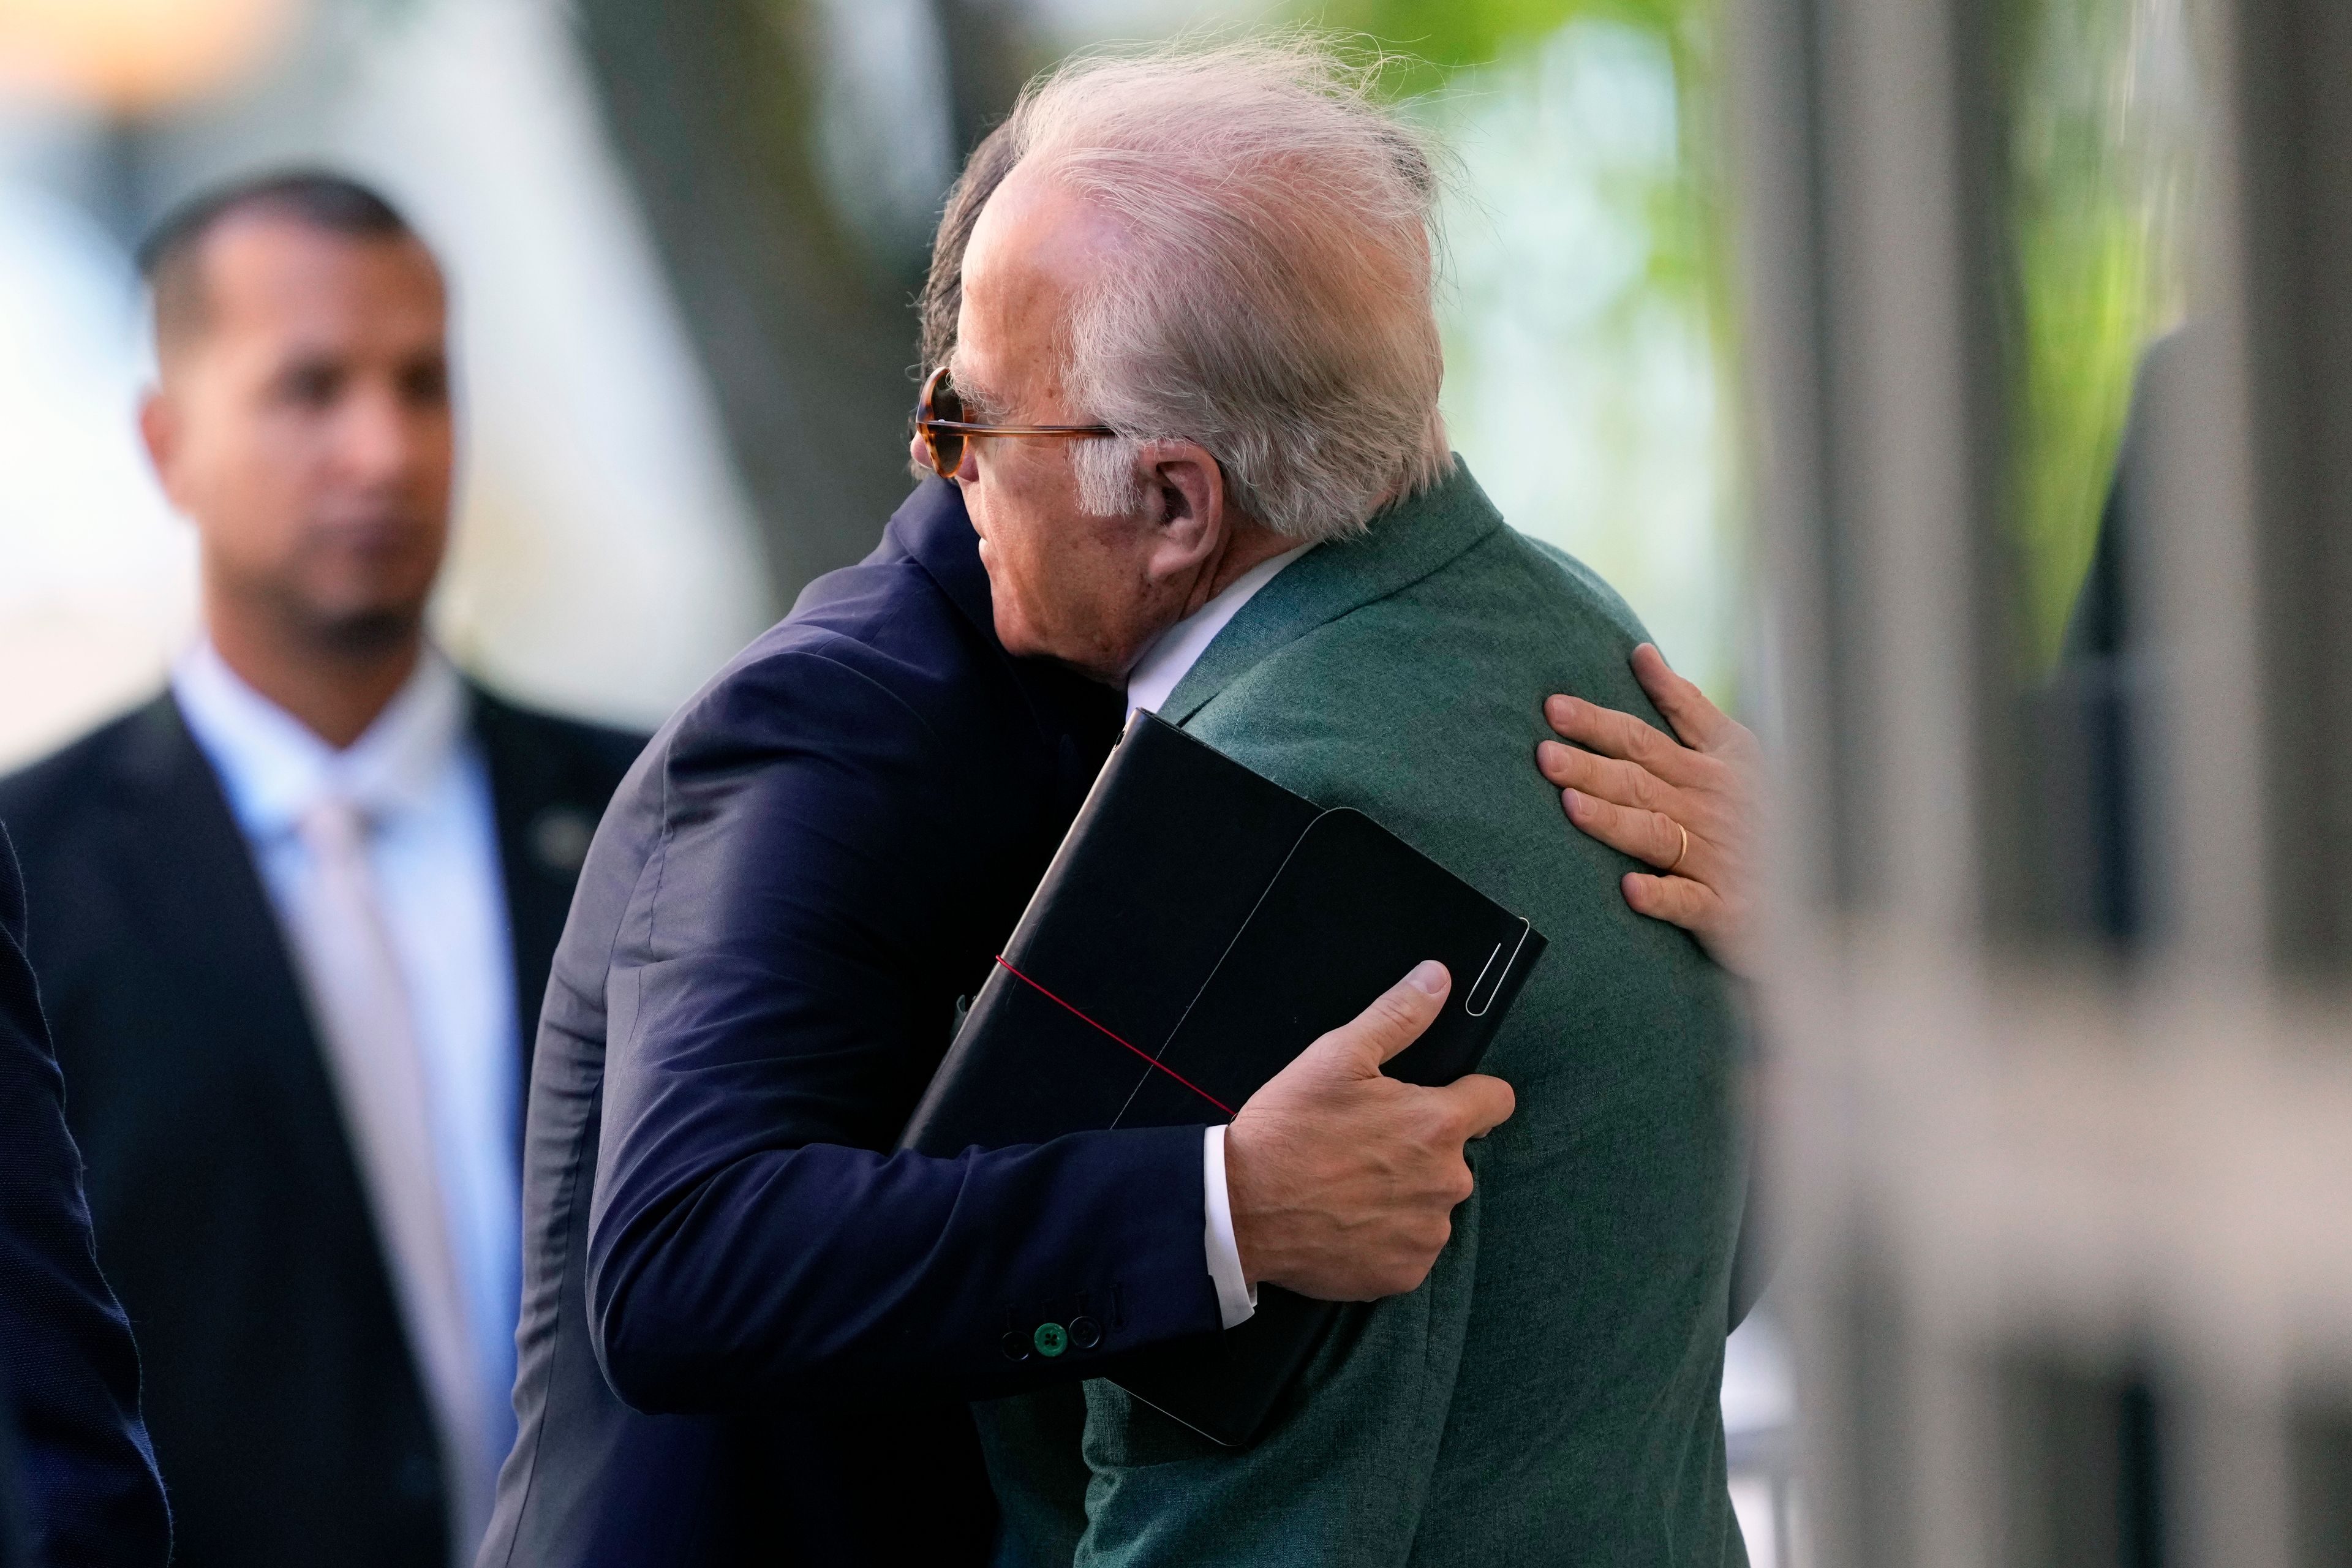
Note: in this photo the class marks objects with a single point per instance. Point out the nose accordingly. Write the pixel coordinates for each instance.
(379, 441)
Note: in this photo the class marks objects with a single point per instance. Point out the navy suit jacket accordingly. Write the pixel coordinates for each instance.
(82, 1488)
(810, 866)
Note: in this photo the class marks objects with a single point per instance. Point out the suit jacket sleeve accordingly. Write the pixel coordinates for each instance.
(88, 1482)
(767, 1035)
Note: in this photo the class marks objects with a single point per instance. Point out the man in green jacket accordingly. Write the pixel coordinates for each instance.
(1193, 410)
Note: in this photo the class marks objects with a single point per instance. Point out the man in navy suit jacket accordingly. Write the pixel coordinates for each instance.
(797, 767)
(80, 1487)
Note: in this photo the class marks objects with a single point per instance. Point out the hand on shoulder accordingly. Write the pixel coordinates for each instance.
(1688, 806)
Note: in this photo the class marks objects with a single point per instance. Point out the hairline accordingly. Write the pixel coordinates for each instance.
(176, 258)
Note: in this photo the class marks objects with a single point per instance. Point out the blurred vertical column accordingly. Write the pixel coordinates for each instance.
(1868, 354)
(2073, 1224)
(2272, 411)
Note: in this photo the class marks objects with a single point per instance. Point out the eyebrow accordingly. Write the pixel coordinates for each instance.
(982, 405)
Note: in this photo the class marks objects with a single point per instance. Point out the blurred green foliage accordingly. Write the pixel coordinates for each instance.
(2086, 279)
(2092, 164)
(1669, 531)
(2096, 162)
(1438, 38)
(1445, 35)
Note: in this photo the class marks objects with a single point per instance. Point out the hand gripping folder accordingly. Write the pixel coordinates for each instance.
(1199, 927)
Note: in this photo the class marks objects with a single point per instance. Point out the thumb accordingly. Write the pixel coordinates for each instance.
(1395, 1020)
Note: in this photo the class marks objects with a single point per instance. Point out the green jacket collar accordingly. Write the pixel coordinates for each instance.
(1402, 544)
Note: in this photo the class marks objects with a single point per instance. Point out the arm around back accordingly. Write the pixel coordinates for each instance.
(778, 996)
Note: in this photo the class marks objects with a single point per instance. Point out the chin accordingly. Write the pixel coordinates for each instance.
(1013, 633)
(362, 628)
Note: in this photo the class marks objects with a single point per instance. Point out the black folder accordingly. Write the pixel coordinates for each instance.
(1199, 927)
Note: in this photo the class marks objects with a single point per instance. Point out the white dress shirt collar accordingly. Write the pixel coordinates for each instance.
(1175, 651)
(275, 767)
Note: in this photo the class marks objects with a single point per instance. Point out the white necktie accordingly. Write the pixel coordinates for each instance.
(380, 1073)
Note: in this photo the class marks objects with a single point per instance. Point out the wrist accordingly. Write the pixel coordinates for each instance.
(1241, 1174)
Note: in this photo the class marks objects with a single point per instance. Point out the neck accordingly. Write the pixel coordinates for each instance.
(334, 687)
(1251, 546)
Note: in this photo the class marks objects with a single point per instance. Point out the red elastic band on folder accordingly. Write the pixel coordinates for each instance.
(1153, 1060)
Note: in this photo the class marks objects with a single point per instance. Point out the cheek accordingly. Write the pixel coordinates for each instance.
(1043, 554)
(437, 449)
(1014, 559)
(272, 465)
(247, 498)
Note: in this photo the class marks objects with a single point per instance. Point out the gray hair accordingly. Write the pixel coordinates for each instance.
(1275, 305)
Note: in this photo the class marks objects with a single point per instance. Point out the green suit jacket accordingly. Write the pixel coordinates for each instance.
(1551, 1393)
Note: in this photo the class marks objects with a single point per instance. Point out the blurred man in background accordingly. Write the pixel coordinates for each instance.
(298, 912)
(78, 1483)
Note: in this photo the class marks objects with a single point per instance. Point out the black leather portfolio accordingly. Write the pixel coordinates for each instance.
(1199, 927)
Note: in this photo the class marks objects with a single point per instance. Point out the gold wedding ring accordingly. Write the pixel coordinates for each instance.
(1679, 853)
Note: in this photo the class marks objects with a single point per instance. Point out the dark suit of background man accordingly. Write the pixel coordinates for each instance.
(78, 1483)
(295, 914)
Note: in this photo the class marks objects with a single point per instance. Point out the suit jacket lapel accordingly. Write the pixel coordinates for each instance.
(543, 835)
(205, 921)
(1404, 544)
(203, 912)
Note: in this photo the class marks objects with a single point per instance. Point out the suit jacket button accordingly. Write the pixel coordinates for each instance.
(1016, 1345)
(1051, 1339)
(1085, 1333)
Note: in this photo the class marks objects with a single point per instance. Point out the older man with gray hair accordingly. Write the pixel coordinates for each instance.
(1210, 269)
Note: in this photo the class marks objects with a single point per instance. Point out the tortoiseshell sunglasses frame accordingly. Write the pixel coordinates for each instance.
(948, 456)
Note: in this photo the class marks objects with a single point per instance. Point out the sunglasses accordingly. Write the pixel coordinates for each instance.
(940, 416)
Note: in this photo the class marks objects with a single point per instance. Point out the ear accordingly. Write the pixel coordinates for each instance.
(1187, 506)
(159, 432)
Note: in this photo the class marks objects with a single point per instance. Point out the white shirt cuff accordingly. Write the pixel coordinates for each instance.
(1236, 1297)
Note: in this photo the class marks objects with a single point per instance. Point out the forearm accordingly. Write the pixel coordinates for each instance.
(822, 1271)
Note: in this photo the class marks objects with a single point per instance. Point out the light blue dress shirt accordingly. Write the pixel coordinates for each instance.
(433, 858)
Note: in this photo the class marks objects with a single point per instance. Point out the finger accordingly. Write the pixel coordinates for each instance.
(1395, 1020)
(1647, 835)
(1476, 1103)
(1612, 733)
(1626, 783)
(1698, 722)
(1678, 901)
